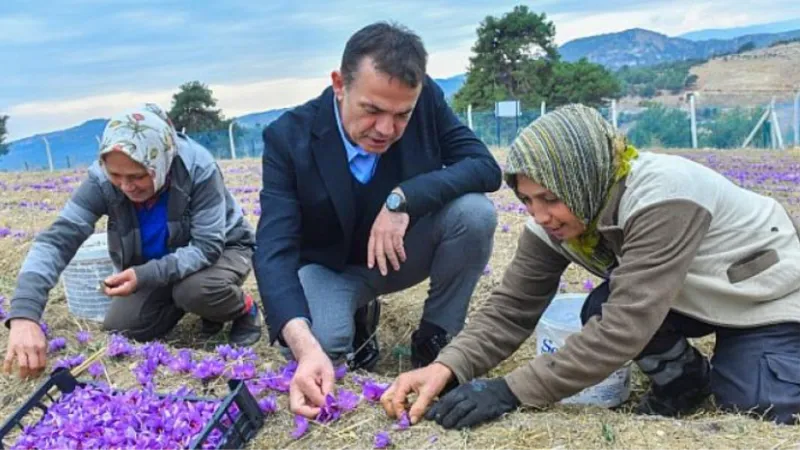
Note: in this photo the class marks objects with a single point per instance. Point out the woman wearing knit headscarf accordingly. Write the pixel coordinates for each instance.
(684, 253)
(176, 236)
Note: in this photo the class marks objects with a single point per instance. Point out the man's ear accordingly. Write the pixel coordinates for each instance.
(337, 81)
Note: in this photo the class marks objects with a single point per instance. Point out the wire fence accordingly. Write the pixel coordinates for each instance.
(768, 125)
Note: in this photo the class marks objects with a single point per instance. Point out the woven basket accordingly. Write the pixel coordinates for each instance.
(81, 278)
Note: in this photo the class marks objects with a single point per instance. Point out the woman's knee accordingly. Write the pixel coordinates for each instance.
(772, 392)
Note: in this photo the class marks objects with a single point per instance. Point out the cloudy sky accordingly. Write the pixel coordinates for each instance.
(67, 61)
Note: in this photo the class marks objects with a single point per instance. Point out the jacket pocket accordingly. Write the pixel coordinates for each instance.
(752, 265)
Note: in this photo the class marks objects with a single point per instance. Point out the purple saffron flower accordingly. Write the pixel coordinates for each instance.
(119, 347)
(69, 362)
(208, 368)
(45, 329)
(382, 440)
(330, 411)
(487, 270)
(2, 299)
(588, 286)
(83, 337)
(373, 391)
(347, 400)
(505, 228)
(341, 371)
(300, 426)
(145, 371)
(268, 404)
(56, 345)
(156, 351)
(344, 401)
(243, 370)
(403, 422)
(4, 231)
(433, 439)
(182, 363)
(96, 370)
(3, 314)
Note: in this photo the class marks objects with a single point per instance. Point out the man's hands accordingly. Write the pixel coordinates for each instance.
(314, 378)
(121, 284)
(426, 382)
(473, 403)
(386, 240)
(26, 345)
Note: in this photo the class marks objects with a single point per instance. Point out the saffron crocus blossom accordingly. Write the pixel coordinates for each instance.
(69, 362)
(182, 363)
(208, 368)
(340, 372)
(268, 404)
(96, 370)
(333, 408)
(94, 417)
(119, 347)
(382, 440)
(373, 391)
(83, 337)
(300, 426)
(403, 422)
(588, 286)
(56, 345)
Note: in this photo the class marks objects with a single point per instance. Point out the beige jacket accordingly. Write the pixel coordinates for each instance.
(686, 238)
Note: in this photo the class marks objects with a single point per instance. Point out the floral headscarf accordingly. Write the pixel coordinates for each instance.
(147, 136)
(577, 155)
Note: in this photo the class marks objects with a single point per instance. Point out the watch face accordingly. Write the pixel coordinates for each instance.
(393, 201)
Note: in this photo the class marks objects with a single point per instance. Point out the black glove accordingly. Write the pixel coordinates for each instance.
(473, 403)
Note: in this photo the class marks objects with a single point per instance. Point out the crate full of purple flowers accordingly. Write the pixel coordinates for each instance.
(67, 413)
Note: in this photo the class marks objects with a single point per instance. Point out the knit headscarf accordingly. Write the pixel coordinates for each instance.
(145, 135)
(574, 153)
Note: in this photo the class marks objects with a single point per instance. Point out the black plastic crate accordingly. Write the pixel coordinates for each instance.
(240, 430)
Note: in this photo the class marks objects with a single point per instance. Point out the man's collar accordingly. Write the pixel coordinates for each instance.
(352, 149)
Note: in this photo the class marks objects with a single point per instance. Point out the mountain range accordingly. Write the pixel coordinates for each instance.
(634, 47)
(639, 47)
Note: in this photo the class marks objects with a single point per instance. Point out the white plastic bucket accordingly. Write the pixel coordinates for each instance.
(83, 275)
(563, 318)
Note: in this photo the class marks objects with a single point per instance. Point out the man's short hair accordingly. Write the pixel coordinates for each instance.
(395, 50)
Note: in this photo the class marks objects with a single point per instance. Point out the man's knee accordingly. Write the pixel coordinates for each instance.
(477, 213)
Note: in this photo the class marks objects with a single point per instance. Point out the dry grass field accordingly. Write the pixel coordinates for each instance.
(30, 201)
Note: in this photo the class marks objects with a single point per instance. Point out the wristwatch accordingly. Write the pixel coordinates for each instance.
(396, 202)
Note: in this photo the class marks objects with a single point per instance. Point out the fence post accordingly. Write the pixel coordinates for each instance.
(693, 116)
(797, 119)
(469, 116)
(614, 113)
(49, 156)
(777, 134)
(544, 109)
(69, 163)
(230, 136)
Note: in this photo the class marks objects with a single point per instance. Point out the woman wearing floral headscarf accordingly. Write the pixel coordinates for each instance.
(684, 253)
(176, 235)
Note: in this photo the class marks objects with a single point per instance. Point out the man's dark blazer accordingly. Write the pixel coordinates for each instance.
(307, 201)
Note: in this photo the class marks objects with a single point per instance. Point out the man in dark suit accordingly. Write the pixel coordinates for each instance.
(368, 189)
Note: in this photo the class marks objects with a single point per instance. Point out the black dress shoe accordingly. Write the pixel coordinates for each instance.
(426, 343)
(366, 350)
